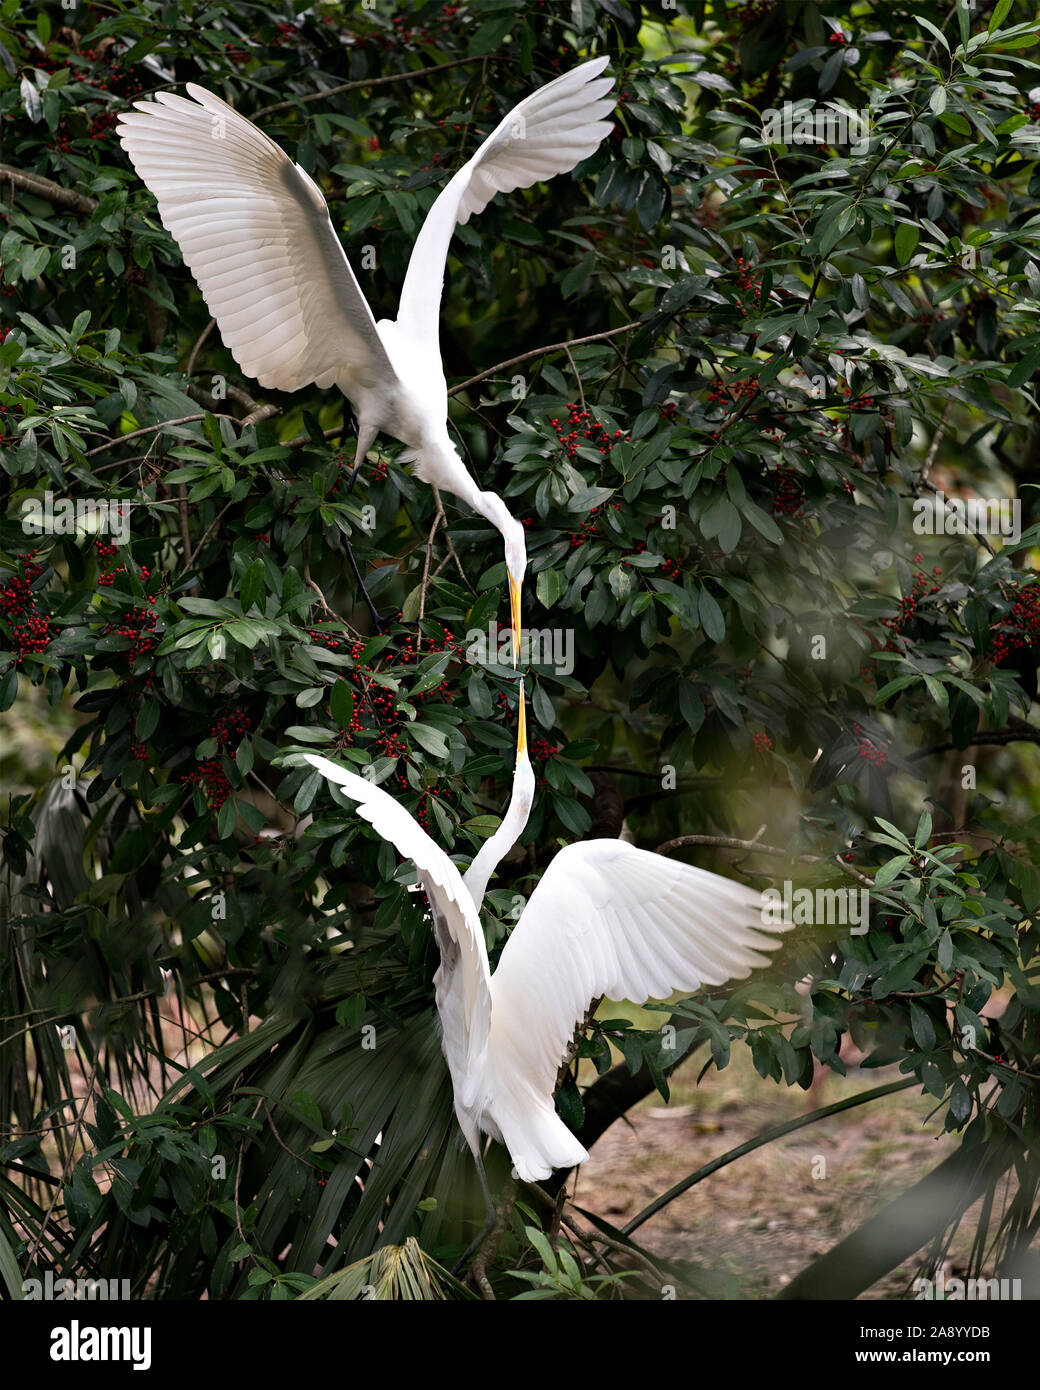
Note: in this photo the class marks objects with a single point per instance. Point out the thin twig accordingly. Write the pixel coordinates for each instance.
(148, 429)
(198, 344)
(577, 377)
(975, 535)
(937, 439)
(541, 352)
(361, 85)
(429, 551)
(1000, 737)
(728, 842)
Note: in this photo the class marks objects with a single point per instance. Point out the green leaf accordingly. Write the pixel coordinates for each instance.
(550, 585)
(542, 707)
(253, 585)
(907, 237)
(341, 703)
(712, 619)
(922, 1028)
(227, 819)
(430, 739)
(927, 24)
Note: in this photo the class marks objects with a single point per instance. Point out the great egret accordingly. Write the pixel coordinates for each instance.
(605, 919)
(255, 232)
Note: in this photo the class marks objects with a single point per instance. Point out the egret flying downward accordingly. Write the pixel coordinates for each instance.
(605, 919)
(255, 231)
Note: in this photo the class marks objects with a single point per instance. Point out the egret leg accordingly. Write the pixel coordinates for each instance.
(490, 1218)
(379, 622)
(364, 443)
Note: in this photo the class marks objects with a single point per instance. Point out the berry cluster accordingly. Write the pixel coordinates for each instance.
(589, 529)
(762, 743)
(789, 498)
(584, 428)
(109, 76)
(728, 393)
(323, 639)
(138, 626)
(233, 726)
(748, 284)
(857, 403)
(540, 748)
(1021, 629)
(30, 629)
(211, 777)
(873, 754)
(408, 36)
(922, 585)
(380, 701)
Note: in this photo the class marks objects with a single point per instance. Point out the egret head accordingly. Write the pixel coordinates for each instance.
(516, 567)
(523, 777)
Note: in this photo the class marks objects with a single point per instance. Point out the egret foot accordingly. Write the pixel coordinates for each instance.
(488, 1248)
(491, 1216)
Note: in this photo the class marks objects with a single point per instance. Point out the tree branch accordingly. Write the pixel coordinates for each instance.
(541, 352)
(47, 189)
(1025, 734)
(363, 84)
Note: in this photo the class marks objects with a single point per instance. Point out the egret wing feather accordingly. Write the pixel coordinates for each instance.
(547, 133)
(254, 230)
(464, 972)
(606, 919)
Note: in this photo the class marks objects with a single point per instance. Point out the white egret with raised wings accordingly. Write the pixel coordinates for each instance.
(605, 919)
(255, 231)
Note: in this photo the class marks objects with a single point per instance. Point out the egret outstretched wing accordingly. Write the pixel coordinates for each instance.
(457, 926)
(607, 919)
(547, 133)
(254, 230)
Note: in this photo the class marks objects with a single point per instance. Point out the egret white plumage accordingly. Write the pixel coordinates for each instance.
(255, 231)
(605, 919)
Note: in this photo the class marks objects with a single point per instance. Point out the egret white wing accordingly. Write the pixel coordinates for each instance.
(546, 134)
(606, 919)
(457, 926)
(254, 230)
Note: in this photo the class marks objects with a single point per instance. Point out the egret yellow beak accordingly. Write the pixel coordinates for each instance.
(521, 737)
(514, 613)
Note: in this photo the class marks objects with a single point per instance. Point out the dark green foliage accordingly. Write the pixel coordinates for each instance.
(796, 344)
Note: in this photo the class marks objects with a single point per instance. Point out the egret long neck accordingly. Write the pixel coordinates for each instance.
(494, 850)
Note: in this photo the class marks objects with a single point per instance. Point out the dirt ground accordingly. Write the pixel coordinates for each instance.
(754, 1224)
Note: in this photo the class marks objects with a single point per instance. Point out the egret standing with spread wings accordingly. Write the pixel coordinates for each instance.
(605, 919)
(255, 232)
